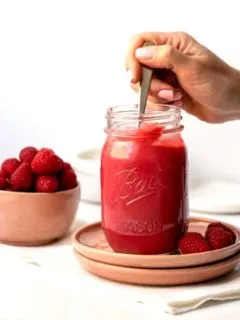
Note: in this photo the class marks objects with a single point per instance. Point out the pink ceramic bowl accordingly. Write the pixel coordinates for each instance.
(36, 218)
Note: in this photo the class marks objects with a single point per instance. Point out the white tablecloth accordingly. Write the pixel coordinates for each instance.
(52, 286)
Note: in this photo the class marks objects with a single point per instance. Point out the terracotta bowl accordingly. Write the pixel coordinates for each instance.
(36, 218)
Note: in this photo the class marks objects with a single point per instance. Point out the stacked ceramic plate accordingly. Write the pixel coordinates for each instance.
(94, 254)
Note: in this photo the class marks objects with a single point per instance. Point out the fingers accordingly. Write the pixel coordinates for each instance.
(164, 93)
(155, 104)
(178, 40)
(158, 57)
(161, 91)
(178, 104)
(131, 62)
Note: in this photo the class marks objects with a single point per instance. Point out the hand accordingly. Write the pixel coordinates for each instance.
(186, 74)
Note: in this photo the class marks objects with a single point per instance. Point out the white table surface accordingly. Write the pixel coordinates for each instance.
(58, 288)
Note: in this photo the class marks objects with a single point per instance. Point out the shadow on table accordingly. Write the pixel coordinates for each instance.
(66, 240)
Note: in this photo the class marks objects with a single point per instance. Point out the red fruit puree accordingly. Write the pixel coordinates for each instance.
(144, 193)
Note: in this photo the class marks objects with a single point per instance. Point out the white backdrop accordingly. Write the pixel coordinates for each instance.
(62, 64)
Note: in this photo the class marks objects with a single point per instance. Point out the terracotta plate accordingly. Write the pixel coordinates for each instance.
(164, 277)
(90, 242)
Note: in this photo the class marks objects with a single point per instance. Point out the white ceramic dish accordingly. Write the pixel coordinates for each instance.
(215, 196)
(87, 166)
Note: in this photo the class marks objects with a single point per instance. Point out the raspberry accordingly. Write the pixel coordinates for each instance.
(27, 154)
(42, 149)
(46, 184)
(66, 165)
(10, 165)
(21, 179)
(225, 228)
(193, 242)
(3, 181)
(46, 162)
(219, 238)
(67, 178)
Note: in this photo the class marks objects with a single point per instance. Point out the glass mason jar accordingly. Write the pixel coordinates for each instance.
(144, 180)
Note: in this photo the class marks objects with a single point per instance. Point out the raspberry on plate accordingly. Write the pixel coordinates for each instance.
(21, 179)
(224, 227)
(27, 154)
(46, 184)
(219, 238)
(193, 242)
(9, 166)
(46, 162)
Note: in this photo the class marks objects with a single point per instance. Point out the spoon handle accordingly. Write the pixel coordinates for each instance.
(145, 85)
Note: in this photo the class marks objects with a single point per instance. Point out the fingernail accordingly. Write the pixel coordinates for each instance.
(178, 103)
(145, 53)
(166, 94)
(129, 75)
(169, 95)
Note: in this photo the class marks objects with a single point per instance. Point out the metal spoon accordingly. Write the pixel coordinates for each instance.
(144, 86)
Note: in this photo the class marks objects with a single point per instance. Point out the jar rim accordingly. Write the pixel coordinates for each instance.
(130, 112)
(126, 118)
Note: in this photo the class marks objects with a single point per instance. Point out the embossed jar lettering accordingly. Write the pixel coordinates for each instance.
(138, 227)
(132, 185)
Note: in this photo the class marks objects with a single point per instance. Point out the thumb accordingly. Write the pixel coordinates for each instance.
(158, 57)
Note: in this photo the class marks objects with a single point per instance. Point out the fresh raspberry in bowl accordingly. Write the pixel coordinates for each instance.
(39, 197)
(37, 171)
